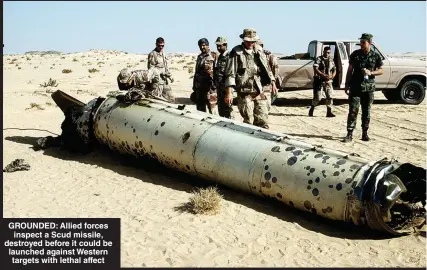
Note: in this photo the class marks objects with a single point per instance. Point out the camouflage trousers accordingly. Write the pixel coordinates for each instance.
(224, 110)
(254, 109)
(365, 100)
(320, 90)
(206, 100)
(163, 90)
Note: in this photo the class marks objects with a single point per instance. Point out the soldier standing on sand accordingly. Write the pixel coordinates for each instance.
(274, 67)
(224, 110)
(247, 72)
(203, 84)
(157, 60)
(364, 65)
(324, 73)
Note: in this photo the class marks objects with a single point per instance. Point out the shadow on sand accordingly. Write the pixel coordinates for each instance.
(297, 102)
(151, 172)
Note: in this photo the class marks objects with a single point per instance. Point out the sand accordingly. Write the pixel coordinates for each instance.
(249, 231)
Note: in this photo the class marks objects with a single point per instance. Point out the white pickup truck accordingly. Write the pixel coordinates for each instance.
(403, 80)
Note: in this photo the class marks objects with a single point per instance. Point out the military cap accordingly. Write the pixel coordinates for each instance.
(220, 41)
(203, 40)
(124, 75)
(249, 34)
(366, 36)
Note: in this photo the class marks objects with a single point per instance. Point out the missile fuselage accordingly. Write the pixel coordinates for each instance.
(332, 184)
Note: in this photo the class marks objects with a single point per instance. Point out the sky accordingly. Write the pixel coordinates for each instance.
(285, 27)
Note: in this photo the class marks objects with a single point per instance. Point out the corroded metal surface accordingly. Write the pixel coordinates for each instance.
(329, 183)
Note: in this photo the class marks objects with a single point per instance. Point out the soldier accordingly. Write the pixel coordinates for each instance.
(157, 60)
(324, 73)
(203, 84)
(141, 79)
(274, 67)
(247, 72)
(364, 65)
(224, 110)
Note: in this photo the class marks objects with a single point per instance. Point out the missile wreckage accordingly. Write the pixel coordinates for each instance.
(382, 194)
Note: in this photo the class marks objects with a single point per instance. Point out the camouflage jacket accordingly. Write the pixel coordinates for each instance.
(157, 60)
(272, 63)
(359, 60)
(136, 78)
(219, 70)
(247, 72)
(325, 65)
(203, 75)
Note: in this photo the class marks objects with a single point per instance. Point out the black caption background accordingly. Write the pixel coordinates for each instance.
(111, 260)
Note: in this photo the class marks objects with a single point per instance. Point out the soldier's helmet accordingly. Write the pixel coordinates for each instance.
(124, 75)
(249, 34)
(221, 41)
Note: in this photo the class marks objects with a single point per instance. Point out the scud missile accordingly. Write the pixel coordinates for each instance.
(382, 194)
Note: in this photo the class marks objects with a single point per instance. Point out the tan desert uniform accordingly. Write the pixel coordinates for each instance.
(247, 72)
(158, 61)
(141, 79)
(224, 110)
(203, 84)
(323, 87)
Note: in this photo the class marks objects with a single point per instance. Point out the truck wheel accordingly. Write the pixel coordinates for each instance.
(412, 92)
(391, 95)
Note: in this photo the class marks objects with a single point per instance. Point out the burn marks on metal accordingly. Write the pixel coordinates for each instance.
(185, 137)
(292, 160)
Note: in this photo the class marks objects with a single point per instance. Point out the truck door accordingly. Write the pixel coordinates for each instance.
(383, 80)
(343, 61)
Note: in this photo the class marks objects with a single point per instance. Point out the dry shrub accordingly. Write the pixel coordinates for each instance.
(36, 106)
(93, 70)
(67, 71)
(205, 201)
(190, 69)
(50, 83)
(75, 60)
(181, 61)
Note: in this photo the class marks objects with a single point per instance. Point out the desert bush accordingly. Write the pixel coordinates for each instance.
(19, 68)
(67, 71)
(190, 63)
(49, 83)
(205, 201)
(28, 58)
(181, 61)
(63, 57)
(190, 69)
(75, 60)
(36, 106)
(93, 70)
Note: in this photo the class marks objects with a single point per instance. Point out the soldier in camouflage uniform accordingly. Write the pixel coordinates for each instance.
(203, 84)
(364, 65)
(324, 73)
(247, 72)
(142, 79)
(224, 110)
(157, 61)
(274, 67)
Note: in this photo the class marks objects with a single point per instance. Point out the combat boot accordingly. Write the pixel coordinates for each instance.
(310, 112)
(329, 112)
(365, 136)
(349, 136)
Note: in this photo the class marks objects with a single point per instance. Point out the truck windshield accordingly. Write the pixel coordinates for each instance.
(312, 50)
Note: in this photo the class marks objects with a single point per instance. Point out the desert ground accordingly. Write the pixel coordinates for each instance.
(248, 231)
